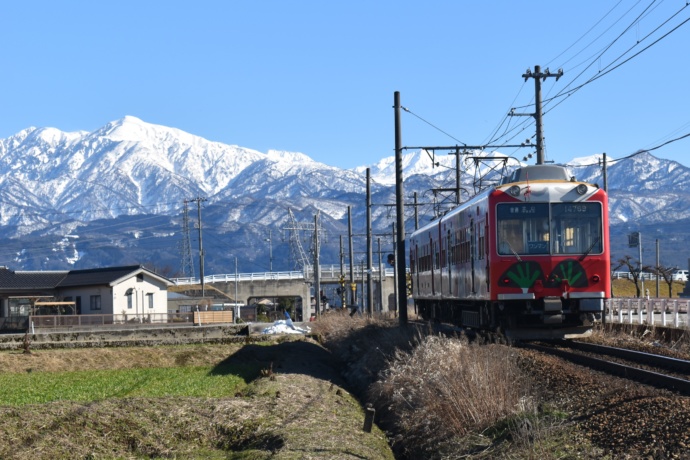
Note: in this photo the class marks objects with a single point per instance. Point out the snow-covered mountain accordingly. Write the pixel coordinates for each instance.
(116, 195)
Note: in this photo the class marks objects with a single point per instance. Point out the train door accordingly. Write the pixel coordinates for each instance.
(415, 286)
(487, 266)
(436, 269)
(473, 249)
(432, 263)
(449, 262)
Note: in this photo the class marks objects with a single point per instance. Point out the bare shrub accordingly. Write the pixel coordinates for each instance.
(446, 388)
(364, 343)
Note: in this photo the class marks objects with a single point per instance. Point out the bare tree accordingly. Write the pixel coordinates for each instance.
(667, 274)
(635, 272)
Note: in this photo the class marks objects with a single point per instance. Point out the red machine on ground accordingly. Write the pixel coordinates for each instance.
(529, 257)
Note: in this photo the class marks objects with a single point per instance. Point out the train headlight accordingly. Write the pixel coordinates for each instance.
(581, 189)
(514, 190)
(596, 278)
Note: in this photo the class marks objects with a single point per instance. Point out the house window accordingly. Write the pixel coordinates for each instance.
(130, 298)
(95, 302)
(149, 300)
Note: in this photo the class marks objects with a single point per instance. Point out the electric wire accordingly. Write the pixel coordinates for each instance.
(587, 33)
(564, 94)
(638, 152)
(432, 125)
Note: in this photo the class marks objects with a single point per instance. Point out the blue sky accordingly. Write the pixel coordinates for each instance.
(318, 77)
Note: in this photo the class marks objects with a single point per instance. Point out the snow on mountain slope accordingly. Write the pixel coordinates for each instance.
(54, 184)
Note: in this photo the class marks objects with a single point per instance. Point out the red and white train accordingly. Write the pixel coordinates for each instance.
(529, 257)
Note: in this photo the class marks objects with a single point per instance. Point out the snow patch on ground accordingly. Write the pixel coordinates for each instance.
(285, 326)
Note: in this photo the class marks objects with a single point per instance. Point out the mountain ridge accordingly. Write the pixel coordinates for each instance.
(72, 187)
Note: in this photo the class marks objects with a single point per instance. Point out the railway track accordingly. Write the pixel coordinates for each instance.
(659, 371)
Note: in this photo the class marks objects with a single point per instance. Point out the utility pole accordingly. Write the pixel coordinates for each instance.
(343, 302)
(639, 234)
(187, 263)
(538, 76)
(353, 285)
(201, 247)
(370, 287)
(381, 274)
(363, 281)
(317, 267)
(395, 275)
(416, 213)
(657, 267)
(342, 257)
(400, 211)
(457, 175)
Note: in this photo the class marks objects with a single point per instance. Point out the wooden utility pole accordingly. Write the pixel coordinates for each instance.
(538, 76)
(370, 286)
(400, 217)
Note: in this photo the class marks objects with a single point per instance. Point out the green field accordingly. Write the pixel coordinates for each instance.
(85, 386)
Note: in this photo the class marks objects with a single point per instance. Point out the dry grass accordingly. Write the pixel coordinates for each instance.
(432, 394)
(667, 341)
(447, 388)
(364, 345)
(58, 360)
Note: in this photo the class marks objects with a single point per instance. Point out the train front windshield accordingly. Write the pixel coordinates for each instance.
(549, 228)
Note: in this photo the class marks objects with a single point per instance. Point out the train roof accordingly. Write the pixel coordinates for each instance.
(538, 172)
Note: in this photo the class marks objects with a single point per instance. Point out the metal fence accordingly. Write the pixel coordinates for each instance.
(653, 311)
(118, 320)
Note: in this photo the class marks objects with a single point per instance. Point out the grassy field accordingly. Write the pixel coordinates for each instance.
(87, 386)
(248, 401)
(626, 288)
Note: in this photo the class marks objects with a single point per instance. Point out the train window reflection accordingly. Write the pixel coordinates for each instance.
(527, 228)
(523, 228)
(576, 228)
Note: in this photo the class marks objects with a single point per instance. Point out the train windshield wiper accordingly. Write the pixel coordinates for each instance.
(594, 243)
(513, 251)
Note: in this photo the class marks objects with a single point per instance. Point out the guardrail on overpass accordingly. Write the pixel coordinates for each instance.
(327, 272)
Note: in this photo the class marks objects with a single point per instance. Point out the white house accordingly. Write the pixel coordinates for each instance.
(134, 291)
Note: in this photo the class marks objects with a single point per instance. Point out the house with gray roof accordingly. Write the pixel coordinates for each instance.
(133, 293)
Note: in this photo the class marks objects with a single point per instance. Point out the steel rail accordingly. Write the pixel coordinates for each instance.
(679, 365)
(633, 373)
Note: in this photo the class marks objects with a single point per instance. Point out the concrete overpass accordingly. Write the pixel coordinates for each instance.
(248, 287)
